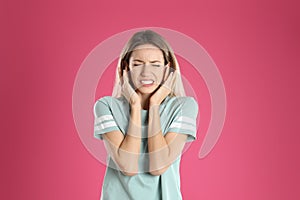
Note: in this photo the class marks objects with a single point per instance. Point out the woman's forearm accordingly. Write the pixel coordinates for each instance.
(159, 152)
(129, 150)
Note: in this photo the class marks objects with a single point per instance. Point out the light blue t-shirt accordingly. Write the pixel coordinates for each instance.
(177, 114)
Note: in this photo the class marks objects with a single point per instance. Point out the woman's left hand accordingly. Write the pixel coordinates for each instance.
(164, 90)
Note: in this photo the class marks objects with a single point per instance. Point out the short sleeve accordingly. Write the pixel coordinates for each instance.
(184, 122)
(104, 119)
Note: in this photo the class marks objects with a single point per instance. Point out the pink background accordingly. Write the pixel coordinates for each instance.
(255, 45)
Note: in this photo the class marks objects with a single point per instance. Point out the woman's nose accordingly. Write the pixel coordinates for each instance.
(146, 70)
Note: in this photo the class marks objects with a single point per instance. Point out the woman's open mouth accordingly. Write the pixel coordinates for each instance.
(147, 83)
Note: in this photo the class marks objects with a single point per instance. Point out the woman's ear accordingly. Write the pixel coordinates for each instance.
(130, 79)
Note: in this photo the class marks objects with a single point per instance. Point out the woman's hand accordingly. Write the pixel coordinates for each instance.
(128, 92)
(164, 90)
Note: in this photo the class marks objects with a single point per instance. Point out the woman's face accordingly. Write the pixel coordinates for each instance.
(147, 69)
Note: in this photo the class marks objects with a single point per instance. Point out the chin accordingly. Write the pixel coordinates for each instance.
(149, 90)
(146, 91)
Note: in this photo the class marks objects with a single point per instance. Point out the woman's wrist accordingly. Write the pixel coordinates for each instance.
(153, 102)
(136, 106)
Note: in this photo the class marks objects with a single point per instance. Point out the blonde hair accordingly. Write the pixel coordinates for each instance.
(141, 38)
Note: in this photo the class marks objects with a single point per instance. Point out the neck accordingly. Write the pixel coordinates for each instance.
(145, 98)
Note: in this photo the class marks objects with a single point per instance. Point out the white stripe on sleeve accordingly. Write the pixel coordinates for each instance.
(105, 125)
(185, 119)
(183, 126)
(103, 118)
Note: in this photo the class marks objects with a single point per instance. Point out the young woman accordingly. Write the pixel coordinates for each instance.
(145, 123)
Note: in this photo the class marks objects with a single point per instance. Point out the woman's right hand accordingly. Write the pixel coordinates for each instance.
(128, 92)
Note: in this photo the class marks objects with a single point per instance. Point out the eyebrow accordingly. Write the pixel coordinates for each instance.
(153, 61)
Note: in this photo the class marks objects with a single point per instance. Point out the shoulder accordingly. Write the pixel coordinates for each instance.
(186, 101)
(181, 106)
(191, 102)
(110, 104)
(109, 100)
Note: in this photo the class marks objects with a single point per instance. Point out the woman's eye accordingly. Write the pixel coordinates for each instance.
(156, 65)
(142, 65)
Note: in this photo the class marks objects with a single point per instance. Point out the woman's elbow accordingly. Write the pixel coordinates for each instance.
(130, 170)
(158, 172)
(127, 168)
(129, 173)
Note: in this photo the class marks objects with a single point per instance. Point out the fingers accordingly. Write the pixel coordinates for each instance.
(169, 83)
(125, 76)
(174, 77)
(127, 89)
(167, 71)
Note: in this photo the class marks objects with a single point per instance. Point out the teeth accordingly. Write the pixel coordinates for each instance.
(147, 82)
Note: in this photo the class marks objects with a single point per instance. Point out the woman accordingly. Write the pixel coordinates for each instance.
(145, 123)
